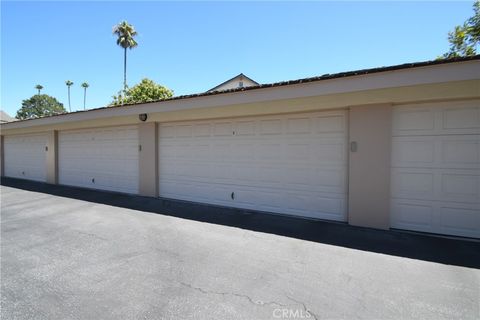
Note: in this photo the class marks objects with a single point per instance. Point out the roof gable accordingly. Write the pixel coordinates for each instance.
(235, 82)
(4, 117)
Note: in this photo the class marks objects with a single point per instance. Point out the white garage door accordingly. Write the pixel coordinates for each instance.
(436, 168)
(293, 164)
(25, 157)
(105, 158)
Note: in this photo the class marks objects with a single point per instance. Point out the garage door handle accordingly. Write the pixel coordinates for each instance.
(233, 195)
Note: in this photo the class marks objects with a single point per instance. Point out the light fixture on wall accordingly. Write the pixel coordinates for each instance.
(142, 117)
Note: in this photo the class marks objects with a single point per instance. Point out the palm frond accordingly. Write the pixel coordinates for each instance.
(125, 33)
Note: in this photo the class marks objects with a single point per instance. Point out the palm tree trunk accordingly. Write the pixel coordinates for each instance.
(84, 97)
(124, 73)
(69, 106)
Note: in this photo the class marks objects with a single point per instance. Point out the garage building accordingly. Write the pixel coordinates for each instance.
(394, 147)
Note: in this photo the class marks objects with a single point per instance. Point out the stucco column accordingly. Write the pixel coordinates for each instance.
(370, 130)
(148, 174)
(52, 157)
(2, 169)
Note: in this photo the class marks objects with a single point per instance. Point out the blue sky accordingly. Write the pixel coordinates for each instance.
(193, 46)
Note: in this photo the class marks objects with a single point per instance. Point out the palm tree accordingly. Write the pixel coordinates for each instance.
(85, 85)
(39, 87)
(125, 33)
(69, 84)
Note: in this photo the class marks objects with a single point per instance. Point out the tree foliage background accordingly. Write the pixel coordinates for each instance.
(39, 105)
(145, 91)
(465, 39)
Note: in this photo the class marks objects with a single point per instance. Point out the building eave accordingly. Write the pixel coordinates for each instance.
(457, 69)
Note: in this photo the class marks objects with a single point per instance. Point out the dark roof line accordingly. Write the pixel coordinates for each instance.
(289, 82)
(238, 75)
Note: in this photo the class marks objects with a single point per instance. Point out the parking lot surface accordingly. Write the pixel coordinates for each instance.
(64, 258)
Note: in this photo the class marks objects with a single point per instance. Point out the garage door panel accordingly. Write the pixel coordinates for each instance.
(331, 179)
(461, 151)
(243, 152)
(332, 204)
(194, 191)
(461, 186)
(460, 221)
(457, 151)
(271, 163)
(411, 214)
(419, 120)
(104, 158)
(329, 152)
(201, 151)
(222, 129)
(271, 127)
(304, 178)
(221, 151)
(290, 202)
(195, 171)
(169, 151)
(25, 157)
(437, 119)
(436, 184)
(297, 151)
(466, 117)
(437, 217)
(167, 131)
(245, 174)
(301, 125)
(265, 200)
(334, 123)
(245, 128)
(413, 152)
(417, 184)
(435, 174)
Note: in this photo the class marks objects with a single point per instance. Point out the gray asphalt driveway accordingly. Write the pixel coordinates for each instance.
(63, 258)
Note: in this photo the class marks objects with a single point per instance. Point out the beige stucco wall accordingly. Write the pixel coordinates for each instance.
(52, 156)
(2, 168)
(148, 163)
(369, 166)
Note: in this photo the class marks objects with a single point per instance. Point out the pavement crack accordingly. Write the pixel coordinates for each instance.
(304, 307)
(244, 296)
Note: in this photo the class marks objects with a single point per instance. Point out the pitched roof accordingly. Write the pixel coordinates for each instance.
(241, 75)
(4, 117)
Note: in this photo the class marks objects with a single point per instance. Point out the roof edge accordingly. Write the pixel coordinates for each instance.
(283, 83)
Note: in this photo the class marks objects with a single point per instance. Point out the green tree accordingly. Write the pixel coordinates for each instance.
(39, 87)
(39, 105)
(145, 91)
(85, 85)
(69, 84)
(465, 39)
(125, 33)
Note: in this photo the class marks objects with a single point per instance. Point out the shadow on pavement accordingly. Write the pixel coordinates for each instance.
(453, 251)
